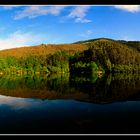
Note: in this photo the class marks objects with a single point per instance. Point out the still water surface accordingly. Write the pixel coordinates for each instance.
(62, 104)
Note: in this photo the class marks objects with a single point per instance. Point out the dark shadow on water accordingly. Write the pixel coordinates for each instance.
(70, 104)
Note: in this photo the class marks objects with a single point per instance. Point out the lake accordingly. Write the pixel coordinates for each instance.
(65, 104)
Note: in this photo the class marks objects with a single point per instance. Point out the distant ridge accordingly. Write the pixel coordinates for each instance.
(132, 44)
(96, 39)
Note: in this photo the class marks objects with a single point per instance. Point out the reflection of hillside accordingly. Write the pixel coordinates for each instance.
(107, 89)
(43, 87)
(111, 88)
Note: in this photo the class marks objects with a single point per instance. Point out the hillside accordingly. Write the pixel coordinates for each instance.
(131, 44)
(86, 57)
(43, 49)
(108, 55)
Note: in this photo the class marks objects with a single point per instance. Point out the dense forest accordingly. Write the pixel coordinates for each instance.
(38, 59)
(84, 57)
(108, 56)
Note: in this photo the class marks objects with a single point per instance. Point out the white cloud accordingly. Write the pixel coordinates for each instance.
(20, 39)
(79, 13)
(56, 10)
(35, 11)
(129, 8)
(10, 7)
(87, 33)
(82, 20)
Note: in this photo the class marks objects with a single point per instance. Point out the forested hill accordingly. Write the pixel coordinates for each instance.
(110, 55)
(132, 44)
(90, 56)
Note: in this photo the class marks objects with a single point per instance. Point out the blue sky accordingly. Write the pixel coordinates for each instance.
(32, 25)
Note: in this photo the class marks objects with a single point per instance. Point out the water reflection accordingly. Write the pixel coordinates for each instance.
(109, 88)
(69, 104)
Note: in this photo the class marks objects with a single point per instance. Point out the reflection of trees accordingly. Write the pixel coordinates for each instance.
(109, 88)
(39, 86)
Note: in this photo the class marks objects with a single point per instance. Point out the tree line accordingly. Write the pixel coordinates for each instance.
(106, 56)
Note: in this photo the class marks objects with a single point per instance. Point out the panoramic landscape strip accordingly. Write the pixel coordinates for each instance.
(100, 56)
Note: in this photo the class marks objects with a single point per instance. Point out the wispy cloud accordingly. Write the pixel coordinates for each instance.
(87, 33)
(129, 8)
(35, 11)
(20, 39)
(9, 7)
(79, 13)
